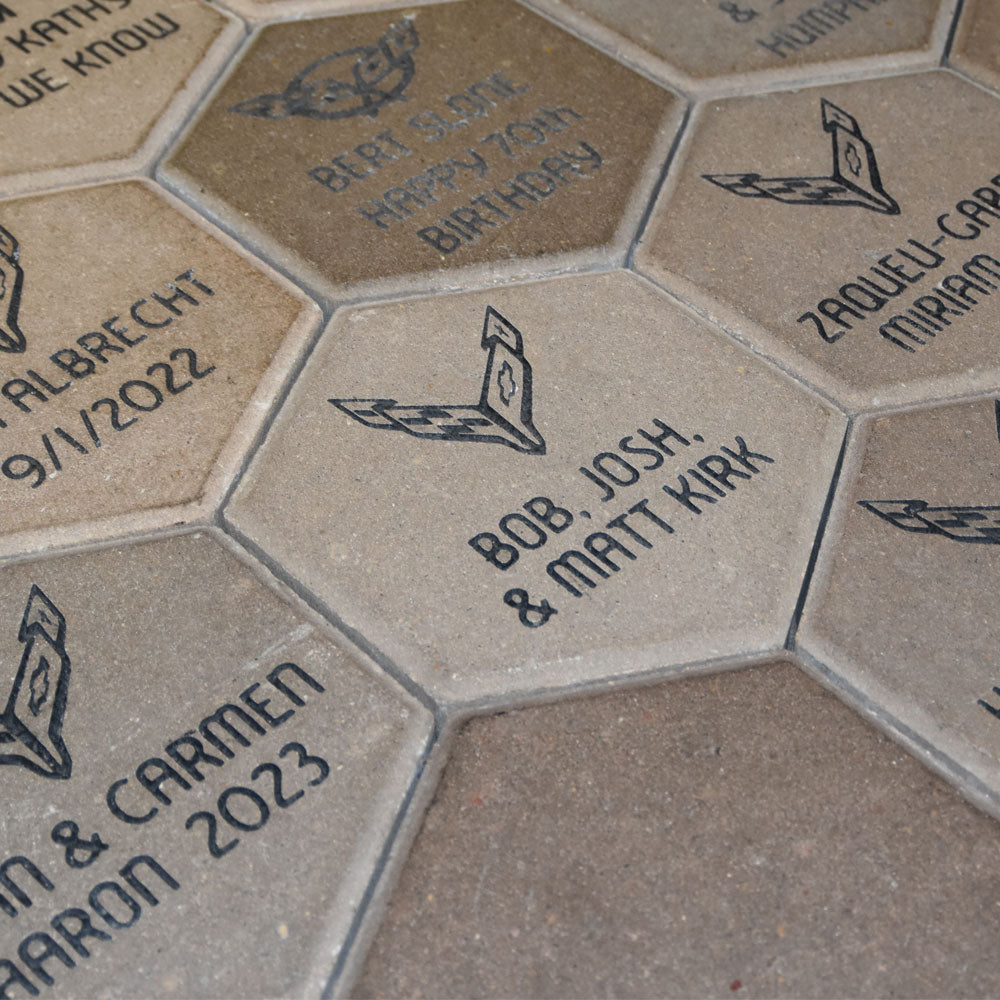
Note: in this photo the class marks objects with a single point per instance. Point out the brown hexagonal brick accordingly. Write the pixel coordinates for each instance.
(396, 146)
(740, 835)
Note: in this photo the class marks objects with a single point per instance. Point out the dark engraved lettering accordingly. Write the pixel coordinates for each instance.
(84, 928)
(13, 889)
(960, 523)
(15, 977)
(303, 675)
(154, 773)
(219, 719)
(35, 958)
(12, 339)
(259, 705)
(79, 852)
(530, 615)
(195, 754)
(686, 496)
(557, 569)
(98, 906)
(128, 873)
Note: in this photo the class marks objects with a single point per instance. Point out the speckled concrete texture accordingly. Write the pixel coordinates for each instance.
(901, 605)
(129, 382)
(87, 88)
(976, 47)
(712, 45)
(743, 835)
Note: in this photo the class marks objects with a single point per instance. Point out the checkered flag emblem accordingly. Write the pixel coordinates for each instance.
(854, 180)
(11, 282)
(958, 522)
(31, 723)
(502, 414)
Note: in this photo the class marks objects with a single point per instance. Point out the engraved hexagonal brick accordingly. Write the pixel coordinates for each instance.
(198, 777)
(92, 88)
(131, 343)
(391, 146)
(902, 608)
(852, 231)
(262, 10)
(543, 485)
(976, 48)
(716, 45)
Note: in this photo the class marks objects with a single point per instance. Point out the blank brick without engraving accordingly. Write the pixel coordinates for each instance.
(742, 835)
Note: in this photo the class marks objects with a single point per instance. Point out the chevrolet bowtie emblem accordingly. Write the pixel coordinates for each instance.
(31, 724)
(854, 180)
(501, 416)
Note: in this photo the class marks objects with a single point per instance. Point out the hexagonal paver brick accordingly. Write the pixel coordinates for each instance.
(138, 356)
(543, 485)
(737, 835)
(829, 230)
(395, 146)
(93, 88)
(713, 44)
(976, 47)
(901, 611)
(262, 10)
(198, 778)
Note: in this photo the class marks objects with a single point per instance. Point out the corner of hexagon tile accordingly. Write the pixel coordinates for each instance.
(258, 11)
(140, 353)
(394, 149)
(717, 47)
(823, 227)
(900, 614)
(542, 486)
(93, 90)
(208, 737)
(974, 50)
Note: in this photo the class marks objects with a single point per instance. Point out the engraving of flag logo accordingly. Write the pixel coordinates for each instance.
(854, 179)
(959, 522)
(31, 723)
(11, 282)
(502, 415)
